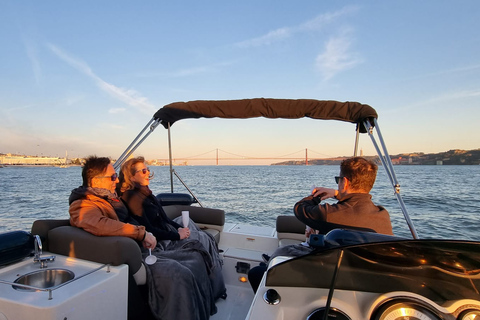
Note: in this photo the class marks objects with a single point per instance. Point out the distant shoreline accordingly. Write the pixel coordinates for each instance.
(451, 157)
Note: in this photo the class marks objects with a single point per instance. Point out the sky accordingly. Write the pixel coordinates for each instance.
(84, 77)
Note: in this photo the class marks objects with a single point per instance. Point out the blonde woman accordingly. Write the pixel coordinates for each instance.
(171, 236)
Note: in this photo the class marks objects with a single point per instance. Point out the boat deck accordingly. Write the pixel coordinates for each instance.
(237, 304)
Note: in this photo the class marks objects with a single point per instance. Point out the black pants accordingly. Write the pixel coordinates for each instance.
(138, 308)
(255, 276)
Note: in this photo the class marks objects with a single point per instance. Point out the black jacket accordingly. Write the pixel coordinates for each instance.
(147, 210)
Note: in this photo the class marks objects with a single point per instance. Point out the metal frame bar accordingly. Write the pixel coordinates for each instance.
(186, 187)
(357, 138)
(388, 166)
(170, 158)
(384, 158)
(153, 123)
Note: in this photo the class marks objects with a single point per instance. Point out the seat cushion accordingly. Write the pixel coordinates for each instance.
(286, 242)
(214, 232)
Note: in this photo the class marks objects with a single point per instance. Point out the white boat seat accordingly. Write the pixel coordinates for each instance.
(59, 237)
(290, 230)
(207, 219)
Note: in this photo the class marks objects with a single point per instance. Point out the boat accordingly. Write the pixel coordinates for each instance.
(351, 275)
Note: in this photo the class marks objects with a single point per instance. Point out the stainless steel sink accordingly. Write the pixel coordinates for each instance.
(45, 278)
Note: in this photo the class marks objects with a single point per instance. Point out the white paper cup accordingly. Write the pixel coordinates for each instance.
(185, 218)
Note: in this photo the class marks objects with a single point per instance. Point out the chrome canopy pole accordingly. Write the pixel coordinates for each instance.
(170, 158)
(357, 137)
(186, 187)
(388, 166)
(131, 149)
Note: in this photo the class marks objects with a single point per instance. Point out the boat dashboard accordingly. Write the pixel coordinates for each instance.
(398, 279)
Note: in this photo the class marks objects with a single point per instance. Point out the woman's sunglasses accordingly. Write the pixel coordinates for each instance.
(144, 170)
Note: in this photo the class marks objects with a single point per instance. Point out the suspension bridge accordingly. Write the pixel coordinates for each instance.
(219, 156)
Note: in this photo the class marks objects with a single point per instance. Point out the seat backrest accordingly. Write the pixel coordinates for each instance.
(42, 227)
(203, 217)
(289, 227)
(74, 242)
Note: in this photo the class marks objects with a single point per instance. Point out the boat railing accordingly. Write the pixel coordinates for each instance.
(388, 166)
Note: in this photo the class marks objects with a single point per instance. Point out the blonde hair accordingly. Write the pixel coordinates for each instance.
(127, 173)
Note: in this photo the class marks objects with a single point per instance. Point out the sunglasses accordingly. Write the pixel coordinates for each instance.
(337, 179)
(144, 170)
(113, 177)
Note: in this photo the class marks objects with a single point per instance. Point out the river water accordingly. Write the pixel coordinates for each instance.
(443, 201)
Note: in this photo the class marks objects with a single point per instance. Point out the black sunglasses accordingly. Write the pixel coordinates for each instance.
(144, 170)
(337, 179)
(113, 177)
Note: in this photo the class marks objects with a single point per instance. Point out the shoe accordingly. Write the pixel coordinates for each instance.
(265, 257)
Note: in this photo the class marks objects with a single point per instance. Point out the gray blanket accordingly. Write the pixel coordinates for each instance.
(293, 250)
(186, 279)
(208, 242)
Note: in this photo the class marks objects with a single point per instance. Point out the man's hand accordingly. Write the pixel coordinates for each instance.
(309, 231)
(150, 241)
(184, 233)
(323, 193)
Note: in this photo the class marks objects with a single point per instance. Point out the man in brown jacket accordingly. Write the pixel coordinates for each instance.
(354, 208)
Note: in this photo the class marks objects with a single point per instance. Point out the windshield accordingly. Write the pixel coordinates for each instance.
(439, 270)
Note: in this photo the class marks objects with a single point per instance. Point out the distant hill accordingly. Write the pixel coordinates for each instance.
(451, 157)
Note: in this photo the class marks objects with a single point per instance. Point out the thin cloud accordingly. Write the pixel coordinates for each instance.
(116, 110)
(437, 101)
(337, 56)
(130, 97)
(269, 38)
(189, 71)
(316, 24)
(447, 72)
(455, 96)
(32, 56)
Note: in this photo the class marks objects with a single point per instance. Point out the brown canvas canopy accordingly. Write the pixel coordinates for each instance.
(269, 108)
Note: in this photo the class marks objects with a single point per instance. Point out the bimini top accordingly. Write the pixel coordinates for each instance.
(268, 108)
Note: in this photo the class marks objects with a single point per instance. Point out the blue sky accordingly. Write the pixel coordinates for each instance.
(86, 76)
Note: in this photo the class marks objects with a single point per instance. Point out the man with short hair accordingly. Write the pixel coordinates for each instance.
(354, 208)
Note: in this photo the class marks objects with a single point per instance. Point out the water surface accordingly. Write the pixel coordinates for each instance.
(443, 201)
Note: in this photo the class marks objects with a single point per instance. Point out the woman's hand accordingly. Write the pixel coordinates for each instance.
(184, 233)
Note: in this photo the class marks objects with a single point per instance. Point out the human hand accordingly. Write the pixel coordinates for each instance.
(150, 241)
(184, 233)
(323, 193)
(309, 231)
